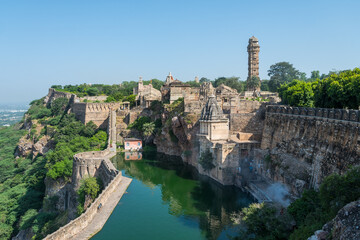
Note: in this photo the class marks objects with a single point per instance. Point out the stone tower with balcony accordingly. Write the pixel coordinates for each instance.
(253, 62)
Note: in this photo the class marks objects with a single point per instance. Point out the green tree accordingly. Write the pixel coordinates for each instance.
(264, 85)
(297, 93)
(206, 160)
(93, 91)
(233, 82)
(58, 106)
(148, 129)
(280, 73)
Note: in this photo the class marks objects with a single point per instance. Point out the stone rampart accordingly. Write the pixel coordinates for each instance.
(53, 94)
(96, 112)
(307, 144)
(98, 164)
(78, 224)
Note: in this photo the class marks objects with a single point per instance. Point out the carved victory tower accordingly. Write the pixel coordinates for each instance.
(213, 124)
(253, 62)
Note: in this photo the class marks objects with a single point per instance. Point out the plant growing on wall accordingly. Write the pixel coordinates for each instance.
(206, 160)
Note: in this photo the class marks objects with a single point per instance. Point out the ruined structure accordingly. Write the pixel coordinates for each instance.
(146, 94)
(253, 60)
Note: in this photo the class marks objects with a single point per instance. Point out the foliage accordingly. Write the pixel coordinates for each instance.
(232, 82)
(193, 83)
(21, 184)
(297, 93)
(314, 209)
(336, 91)
(148, 129)
(156, 83)
(58, 106)
(90, 186)
(206, 160)
(264, 85)
(339, 90)
(131, 98)
(263, 222)
(139, 123)
(282, 73)
(253, 83)
(37, 110)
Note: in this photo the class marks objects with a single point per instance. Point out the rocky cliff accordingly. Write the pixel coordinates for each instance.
(346, 225)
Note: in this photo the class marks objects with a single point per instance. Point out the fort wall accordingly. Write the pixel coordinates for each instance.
(301, 146)
(98, 164)
(96, 112)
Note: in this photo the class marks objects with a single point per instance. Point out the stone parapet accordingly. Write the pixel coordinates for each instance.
(324, 113)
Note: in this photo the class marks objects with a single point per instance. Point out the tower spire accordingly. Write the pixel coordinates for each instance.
(253, 61)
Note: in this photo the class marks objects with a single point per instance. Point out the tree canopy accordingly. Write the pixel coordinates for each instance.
(281, 73)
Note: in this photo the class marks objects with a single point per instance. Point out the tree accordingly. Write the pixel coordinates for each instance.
(204, 79)
(297, 93)
(206, 160)
(148, 129)
(282, 72)
(232, 82)
(264, 85)
(93, 91)
(58, 106)
(315, 75)
(253, 83)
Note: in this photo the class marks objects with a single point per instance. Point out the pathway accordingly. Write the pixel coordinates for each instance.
(100, 219)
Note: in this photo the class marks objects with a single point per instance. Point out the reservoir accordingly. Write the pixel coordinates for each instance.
(168, 199)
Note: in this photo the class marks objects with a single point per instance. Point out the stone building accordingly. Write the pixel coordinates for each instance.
(213, 124)
(145, 94)
(253, 61)
(172, 90)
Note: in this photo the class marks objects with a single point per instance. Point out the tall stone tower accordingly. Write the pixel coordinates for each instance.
(253, 62)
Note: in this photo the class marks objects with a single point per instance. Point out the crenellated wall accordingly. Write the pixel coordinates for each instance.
(304, 145)
(96, 112)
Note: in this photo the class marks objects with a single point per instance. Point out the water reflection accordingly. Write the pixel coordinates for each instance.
(133, 156)
(190, 196)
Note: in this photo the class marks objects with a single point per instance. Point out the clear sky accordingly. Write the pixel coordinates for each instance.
(72, 42)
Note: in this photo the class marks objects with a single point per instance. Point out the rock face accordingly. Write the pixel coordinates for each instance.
(183, 142)
(345, 226)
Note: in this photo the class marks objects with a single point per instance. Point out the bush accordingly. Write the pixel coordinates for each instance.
(206, 160)
(139, 123)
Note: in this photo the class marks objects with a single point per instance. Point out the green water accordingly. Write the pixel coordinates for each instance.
(169, 200)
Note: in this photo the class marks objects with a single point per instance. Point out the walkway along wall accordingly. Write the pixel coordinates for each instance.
(301, 146)
(93, 164)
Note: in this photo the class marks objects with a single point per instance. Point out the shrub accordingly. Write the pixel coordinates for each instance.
(206, 160)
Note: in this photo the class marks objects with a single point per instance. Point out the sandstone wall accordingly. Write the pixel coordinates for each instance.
(304, 145)
(248, 117)
(96, 112)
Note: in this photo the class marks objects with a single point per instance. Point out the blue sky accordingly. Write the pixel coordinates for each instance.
(72, 42)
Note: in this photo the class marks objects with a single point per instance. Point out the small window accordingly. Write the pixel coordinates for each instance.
(138, 143)
(127, 144)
